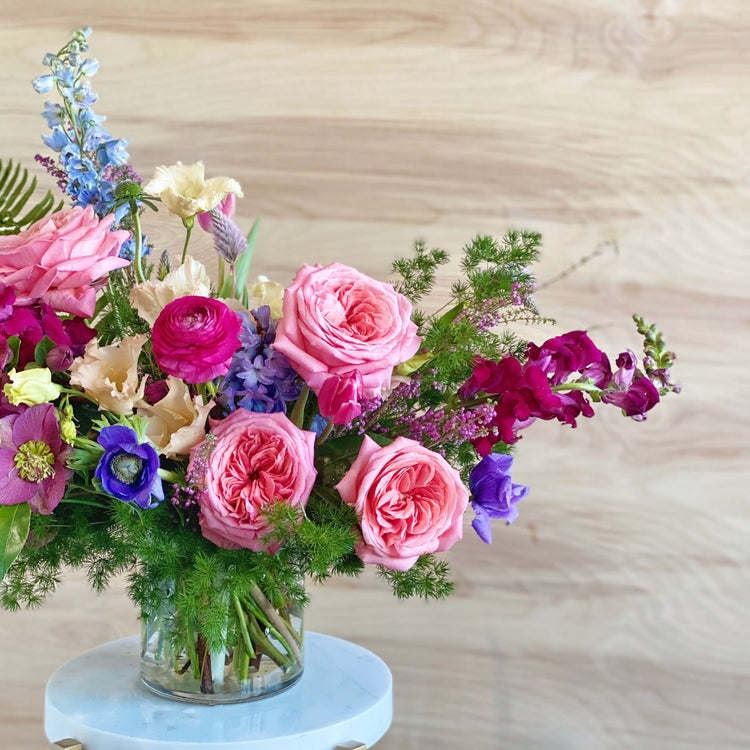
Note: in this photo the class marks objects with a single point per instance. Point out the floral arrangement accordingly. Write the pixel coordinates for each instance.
(234, 436)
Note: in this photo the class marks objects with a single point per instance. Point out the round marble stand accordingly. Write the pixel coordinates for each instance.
(344, 698)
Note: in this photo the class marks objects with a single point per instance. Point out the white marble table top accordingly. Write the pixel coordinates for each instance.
(344, 694)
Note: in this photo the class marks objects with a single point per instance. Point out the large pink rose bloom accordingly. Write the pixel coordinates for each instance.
(409, 501)
(62, 260)
(336, 320)
(256, 459)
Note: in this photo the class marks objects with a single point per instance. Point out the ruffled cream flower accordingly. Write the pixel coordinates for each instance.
(151, 297)
(177, 422)
(109, 374)
(184, 190)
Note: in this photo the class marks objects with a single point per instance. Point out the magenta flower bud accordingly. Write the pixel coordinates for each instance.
(339, 397)
(156, 391)
(59, 358)
(227, 207)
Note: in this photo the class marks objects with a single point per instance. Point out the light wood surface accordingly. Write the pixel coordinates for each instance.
(615, 612)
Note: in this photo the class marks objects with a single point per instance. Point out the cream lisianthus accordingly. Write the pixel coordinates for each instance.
(109, 374)
(30, 387)
(184, 190)
(177, 422)
(151, 297)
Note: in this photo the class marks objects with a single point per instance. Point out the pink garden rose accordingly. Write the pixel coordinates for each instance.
(195, 337)
(255, 459)
(409, 501)
(62, 260)
(336, 320)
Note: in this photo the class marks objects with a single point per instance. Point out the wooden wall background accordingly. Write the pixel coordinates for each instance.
(614, 613)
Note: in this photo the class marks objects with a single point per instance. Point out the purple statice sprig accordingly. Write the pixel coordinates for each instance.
(229, 241)
(260, 378)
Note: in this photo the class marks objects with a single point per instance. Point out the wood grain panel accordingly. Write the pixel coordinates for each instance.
(614, 613)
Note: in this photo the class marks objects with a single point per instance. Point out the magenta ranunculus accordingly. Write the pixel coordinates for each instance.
(33, 459)
(409, 502)
(255, 459)
(62, 260)
(195, 337)
(336, 320)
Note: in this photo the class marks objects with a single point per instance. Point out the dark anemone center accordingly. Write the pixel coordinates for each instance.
(127, 467)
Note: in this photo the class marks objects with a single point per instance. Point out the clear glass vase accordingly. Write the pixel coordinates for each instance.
(262, 651)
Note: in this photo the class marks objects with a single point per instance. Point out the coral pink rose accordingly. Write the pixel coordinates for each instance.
(336, 320)
(255, 459)
(62, 260)
(195, 337)
(409, 501)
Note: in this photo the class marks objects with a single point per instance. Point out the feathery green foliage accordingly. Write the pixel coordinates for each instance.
(427, 578)
(15, 192)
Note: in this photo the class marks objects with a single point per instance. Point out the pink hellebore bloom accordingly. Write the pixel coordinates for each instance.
(33, 459)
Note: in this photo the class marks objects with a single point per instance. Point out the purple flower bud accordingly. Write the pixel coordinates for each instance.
(494, 495)
(59, 358)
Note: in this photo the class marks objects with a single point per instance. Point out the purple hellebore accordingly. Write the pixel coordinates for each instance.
(494, 495)
(129, 470)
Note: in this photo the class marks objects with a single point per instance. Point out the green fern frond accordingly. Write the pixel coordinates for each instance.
(15, 192)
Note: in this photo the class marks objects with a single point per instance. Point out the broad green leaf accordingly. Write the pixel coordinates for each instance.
(242, 267)
(14, 531)
(43, 348)
(15, 344)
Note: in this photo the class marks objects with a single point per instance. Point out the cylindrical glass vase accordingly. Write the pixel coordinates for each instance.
(260, 651)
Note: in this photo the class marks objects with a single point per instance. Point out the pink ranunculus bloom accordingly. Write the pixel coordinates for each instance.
(255, 459)
(336, 320)
(409, 502)
(33, 459)
(339, 397)
(62, 260)
(195, 337)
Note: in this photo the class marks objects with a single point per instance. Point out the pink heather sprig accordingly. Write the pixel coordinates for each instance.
(491, 312)
(53, 170)
(439, 426)
(186, 495)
